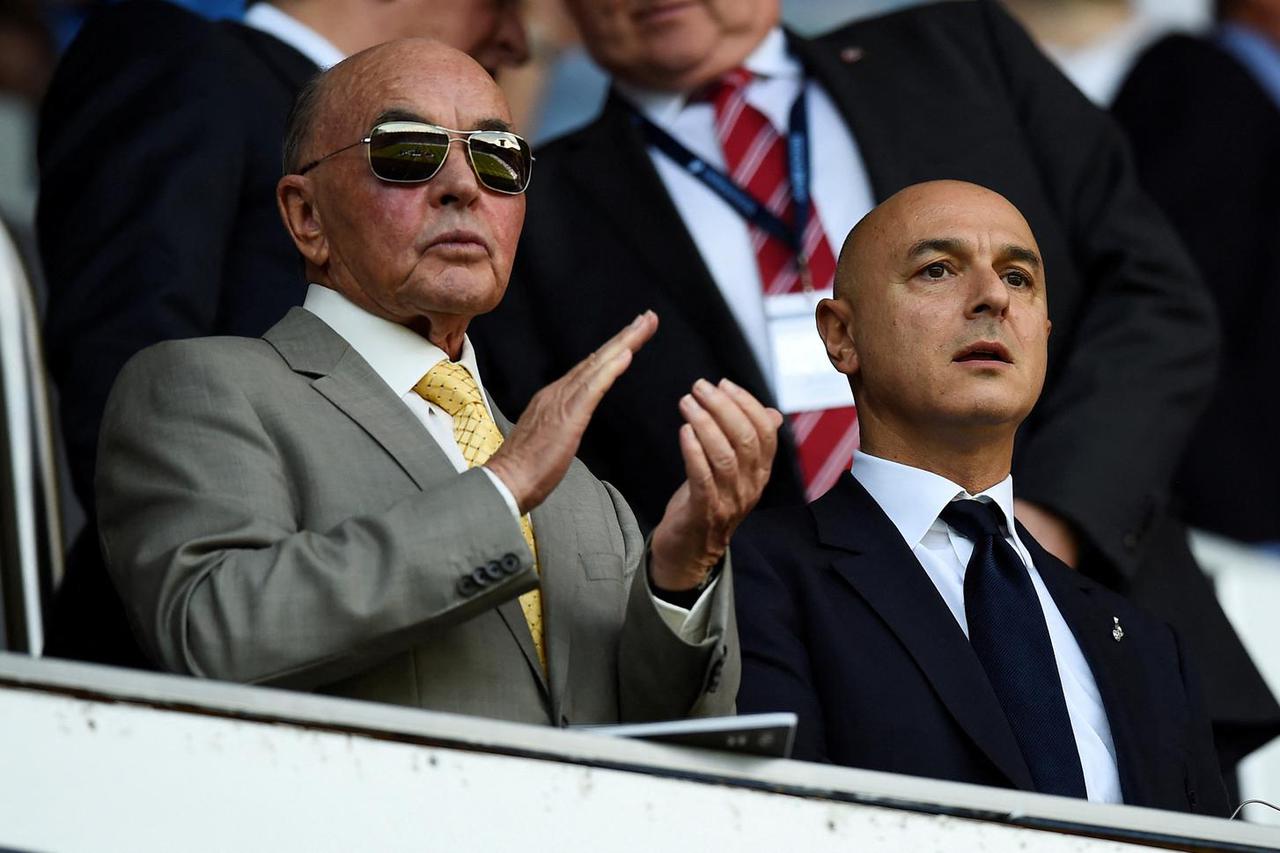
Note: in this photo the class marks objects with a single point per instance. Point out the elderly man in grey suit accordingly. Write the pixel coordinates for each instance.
(338, 507)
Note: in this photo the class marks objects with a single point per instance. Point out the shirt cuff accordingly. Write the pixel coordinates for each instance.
(504, 491)
(689, 624)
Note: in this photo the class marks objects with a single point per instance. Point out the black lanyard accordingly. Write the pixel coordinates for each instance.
(747, 206)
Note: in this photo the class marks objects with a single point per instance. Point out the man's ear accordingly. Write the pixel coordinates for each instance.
(835, 326)
(297, 206)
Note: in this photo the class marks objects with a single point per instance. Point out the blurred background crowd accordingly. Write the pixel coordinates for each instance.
(1095, 42)
(1204, 120)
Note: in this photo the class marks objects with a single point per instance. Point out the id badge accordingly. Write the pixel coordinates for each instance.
(803, 375)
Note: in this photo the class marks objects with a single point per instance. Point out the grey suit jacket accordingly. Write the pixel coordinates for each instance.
(271, 512)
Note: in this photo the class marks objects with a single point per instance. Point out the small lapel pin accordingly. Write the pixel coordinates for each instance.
(1117, 633)
(850, 54)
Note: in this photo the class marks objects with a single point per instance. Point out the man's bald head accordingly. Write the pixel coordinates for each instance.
(327, 98)
(878, 235)
(428, 254)
(940, 319)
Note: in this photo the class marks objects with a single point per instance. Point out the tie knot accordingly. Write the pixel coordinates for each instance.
(974, 520)
(730, 84)
(450, 386)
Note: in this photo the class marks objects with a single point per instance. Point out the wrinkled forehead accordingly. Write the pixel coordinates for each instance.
(418, 82)
(972, 218)
(888, 242)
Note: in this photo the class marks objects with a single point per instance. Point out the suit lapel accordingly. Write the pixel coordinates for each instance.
(616, 177)
(338, 372)
(310, 347)
(513, 617)
(873, 559)
(556, 532)
(291, 68)
(549, 539)
(855, 89)
(1115, 665)
(882, 101)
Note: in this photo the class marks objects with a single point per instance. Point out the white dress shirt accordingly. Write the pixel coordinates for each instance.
(840, 188)
(269, 19)
(913, 499)
(401, 357)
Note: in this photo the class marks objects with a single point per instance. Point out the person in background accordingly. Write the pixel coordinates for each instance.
(168, 228)
(730, 160)
(26, 62)
(1203, 115)
(1094, 42)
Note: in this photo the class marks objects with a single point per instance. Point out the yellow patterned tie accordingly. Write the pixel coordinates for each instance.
(449, 385)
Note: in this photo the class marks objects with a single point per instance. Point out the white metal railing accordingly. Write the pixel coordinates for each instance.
(96, 758)
(31, 550)
(1247, 583)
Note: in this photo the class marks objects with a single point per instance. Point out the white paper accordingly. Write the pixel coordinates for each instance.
(802, 373)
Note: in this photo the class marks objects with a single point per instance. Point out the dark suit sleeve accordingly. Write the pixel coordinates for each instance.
(1185, 107)
(141, 159)
(775, 660)
(1206, 792)
(1125, 390)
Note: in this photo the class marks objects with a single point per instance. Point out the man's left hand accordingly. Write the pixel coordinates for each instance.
(727, 442)
(1050, 530)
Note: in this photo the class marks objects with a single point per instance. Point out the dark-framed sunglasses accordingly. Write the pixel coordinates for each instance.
(409, 152)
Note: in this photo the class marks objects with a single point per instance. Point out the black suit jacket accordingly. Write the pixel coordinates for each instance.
(1206, 139)
(842, 625)
(954, 90)
(159, 148)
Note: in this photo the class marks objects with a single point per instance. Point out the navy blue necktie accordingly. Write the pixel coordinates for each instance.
(1008, 632)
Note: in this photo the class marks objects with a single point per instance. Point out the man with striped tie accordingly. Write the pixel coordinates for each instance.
(729, 160)
(907, 619)
(339, 507)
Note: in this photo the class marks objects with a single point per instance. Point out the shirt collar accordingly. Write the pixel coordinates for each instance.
(770, 59)
(398, 355)
(271, 20)
(914, 498)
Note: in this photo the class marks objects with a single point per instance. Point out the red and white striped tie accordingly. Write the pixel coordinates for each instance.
(756, 156)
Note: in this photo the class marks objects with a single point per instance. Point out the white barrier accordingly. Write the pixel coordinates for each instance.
(29, 510)
(1247, 582)
(101, 759)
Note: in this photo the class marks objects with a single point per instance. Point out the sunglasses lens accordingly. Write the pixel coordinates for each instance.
(503, 161)
(406, 152)
(403, 151)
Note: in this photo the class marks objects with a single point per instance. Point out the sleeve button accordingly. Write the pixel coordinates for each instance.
(713, 678)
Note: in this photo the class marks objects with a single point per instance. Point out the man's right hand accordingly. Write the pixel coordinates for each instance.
(535, 456)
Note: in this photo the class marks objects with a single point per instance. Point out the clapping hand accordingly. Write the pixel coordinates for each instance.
(728, 441)
(535, 456)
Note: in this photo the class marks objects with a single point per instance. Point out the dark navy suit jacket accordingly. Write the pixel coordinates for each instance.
(1205, 135)
(840, 623)
(951, 90)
